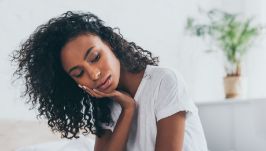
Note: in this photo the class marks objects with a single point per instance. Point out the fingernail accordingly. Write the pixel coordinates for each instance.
(79, 86)
(84, 87)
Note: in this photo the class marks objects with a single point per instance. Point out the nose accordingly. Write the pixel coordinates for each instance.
(94, 73)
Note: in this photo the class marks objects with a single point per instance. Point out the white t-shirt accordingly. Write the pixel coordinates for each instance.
(161, 93)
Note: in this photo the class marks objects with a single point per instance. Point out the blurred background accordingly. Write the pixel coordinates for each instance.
(160, 27)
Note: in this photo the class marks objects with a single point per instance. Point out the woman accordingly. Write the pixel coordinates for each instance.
(84, 77)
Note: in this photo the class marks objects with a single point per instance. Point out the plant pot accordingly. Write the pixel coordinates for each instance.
(235, 87)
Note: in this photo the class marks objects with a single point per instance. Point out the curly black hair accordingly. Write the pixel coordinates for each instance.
(69, 109)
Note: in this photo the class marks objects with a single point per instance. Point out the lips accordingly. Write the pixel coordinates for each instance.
(105, 84)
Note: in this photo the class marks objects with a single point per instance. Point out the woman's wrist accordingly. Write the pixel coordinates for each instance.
(127, 102)
(129, 109)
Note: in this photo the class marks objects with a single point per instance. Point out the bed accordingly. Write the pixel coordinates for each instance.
(26, 135)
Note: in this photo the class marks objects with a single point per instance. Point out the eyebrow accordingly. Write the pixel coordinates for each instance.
(84, 58)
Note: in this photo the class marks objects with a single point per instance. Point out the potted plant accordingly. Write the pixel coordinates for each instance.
(233, 36)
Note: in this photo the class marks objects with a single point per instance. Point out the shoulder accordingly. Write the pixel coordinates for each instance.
(168, 77)
(169, 83)
(165, 73)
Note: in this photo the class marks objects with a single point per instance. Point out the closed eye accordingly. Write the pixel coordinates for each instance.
(96, 58)
(78, 74)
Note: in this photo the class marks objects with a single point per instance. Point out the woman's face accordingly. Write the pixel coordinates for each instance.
(91, 62)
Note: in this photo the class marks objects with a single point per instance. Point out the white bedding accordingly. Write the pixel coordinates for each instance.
(33, 135)
(80, 144)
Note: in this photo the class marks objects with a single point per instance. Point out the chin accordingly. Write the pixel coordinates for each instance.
(109, 89)
(113, 86)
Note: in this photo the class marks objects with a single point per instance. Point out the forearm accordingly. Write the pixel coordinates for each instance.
(119, 137)
(171, 132)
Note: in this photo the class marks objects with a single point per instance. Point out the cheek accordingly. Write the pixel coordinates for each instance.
(80, 81)
(117, 71)
(84, 82)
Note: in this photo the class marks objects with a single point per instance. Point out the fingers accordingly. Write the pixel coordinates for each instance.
(90, 91)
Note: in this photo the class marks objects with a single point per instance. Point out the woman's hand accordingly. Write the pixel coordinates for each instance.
(117, 140)
(121, 97)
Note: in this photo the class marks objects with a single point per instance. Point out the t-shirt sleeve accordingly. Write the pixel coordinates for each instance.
(173, 96)
(115, 113)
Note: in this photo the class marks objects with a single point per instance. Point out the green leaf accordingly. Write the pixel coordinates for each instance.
(233, 35)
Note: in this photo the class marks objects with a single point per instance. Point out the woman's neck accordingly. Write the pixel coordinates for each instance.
(130, 82)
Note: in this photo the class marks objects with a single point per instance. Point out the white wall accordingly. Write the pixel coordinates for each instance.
(256, 59)
(155, 25)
